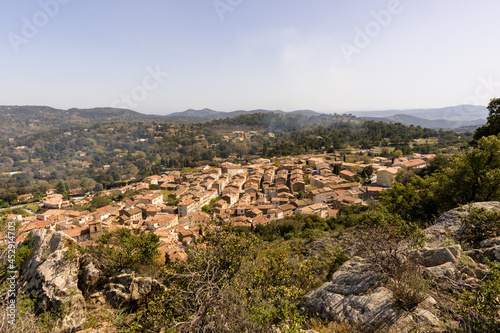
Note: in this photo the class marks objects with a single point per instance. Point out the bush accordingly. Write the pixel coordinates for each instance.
(351, 215)
(478, 308)
(480, 224)
(198, 296)
(279, 229)
(409, 287)
(99, 202)
(273, 284)
(388, 242)
(22, 253)
(232, 282)
(126, 250)
(27, 320)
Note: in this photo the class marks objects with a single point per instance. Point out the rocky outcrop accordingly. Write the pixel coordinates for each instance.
(50, 274)
(127, 290)
(354, 277)
(489, 249)
(90, 278)
(489, 253)
(430, 257)
(449, 225)
(357, 294)
(58, 277)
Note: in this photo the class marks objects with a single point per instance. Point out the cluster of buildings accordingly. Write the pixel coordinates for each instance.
(250, 194)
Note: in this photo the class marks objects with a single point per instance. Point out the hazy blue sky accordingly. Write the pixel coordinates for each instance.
(161, 56)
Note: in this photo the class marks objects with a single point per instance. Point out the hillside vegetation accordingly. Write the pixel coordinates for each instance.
(390, 267)
(77, 156)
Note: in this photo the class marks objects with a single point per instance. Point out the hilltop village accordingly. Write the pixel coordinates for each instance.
(177, 205)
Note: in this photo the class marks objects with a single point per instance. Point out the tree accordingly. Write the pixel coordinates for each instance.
(472, 177)
(98, 202)
(115, 175)
(86, 184)
(61, 188)
(126, 249)
(492, 127)
(367, 171)
(404, 175)
(397, 153)
(336, 169)
(98, 187)
(205, 209)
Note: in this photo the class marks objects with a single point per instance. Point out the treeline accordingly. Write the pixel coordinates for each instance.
(463, 179)
(471, 177)
(110, 153)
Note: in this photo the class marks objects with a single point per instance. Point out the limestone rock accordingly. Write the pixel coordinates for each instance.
(429, 257)
(447, 270)
(490, 242)
(426, 317)
(126, 290)
(481, 273)
(353, 277)
(52, 277)
(140, 287)
(428, 303)
(90, 278)
(357, 294)
(456, 250)
(117, 295)
(372, 310)
(98, 298)
(449, 225)
(124, 279)
(491, 253)
(346, 296)
(469, 271)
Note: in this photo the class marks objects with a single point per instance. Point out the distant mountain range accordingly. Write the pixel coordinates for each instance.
(456, 113)
(452, 117)
(208, 114)
(428, 123)
(17, 120)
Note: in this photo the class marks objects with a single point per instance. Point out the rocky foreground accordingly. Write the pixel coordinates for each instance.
(60, 278)
(358, 295)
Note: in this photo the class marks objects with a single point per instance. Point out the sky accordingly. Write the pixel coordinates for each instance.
(163, 56)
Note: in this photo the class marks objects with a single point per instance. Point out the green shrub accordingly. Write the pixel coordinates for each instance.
(233, 282)
(478, 308)
(410, 287)
(26, 320)
(388, 242)
(126, 249)
(480, 224)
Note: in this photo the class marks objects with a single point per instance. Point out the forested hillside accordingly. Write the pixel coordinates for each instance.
(138, 149)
